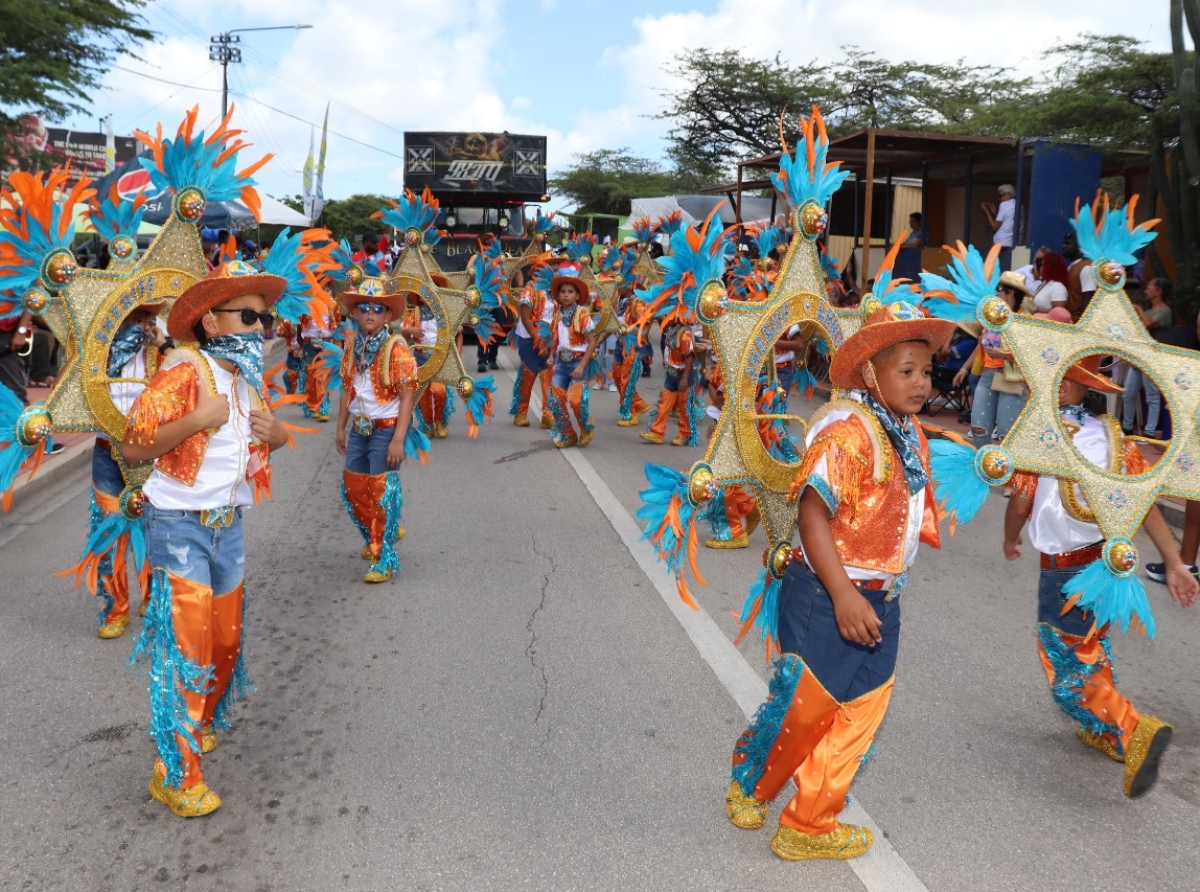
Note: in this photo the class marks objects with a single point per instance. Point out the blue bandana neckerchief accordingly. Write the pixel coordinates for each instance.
(366, 347)
(903, 435)
(125, 345)
(1076, 414)
(244, 350)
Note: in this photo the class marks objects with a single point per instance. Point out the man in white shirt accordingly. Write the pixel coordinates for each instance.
(1001, 221)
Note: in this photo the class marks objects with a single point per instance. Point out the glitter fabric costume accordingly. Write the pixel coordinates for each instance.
(534, 340)
(1074, 653)
(378, 370)
(678, 387)
(571, 327)
(312, 332)
(828, 695)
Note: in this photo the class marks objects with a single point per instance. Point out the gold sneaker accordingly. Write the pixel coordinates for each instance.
(586, 437)
(630, 422)
(679, 441)
(521, 420)
(1100, 742)
(194, 802)
(848, 841)
(366, 554)
(744, 811)
(208, 739)
(114, 629)
(547, 422)
(566, 442)
(374, 575)
(741, 541)
(651, 437)
(441, 430)
(1143, 753)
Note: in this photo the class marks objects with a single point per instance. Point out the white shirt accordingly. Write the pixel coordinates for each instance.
(1031, 281)
(221, 480)
(787, 355)
(365, 402)
(1087, 282)
(916, 503)
(1004, 216)
(1049, 294)
(1051, 529)
(123, 393)
(547, 315)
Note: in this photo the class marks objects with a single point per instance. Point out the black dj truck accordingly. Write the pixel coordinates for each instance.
(482, 182)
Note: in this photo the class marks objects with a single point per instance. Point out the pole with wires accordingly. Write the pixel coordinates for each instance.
(221, 49)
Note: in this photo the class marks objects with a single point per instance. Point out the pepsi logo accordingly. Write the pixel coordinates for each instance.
(132, 182)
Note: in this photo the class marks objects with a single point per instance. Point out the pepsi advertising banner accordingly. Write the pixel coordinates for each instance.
(503, 165)
(131, 178)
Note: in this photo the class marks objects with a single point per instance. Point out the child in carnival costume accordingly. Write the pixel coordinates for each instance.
(1074, 653)
(574, 344)
(312, 330)
(436, 406)
(679, 358)
(377, 403)
(732, 513)
(534, 341)
(865, 503)
(627, 359)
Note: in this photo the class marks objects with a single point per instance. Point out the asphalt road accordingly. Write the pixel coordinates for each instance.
(524, 708)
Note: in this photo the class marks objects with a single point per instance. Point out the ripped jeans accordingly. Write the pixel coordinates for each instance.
(180, 544)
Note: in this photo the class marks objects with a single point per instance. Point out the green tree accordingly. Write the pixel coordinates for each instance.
(348, 218)
(1177, 173)
(53, 55)
(605, 181)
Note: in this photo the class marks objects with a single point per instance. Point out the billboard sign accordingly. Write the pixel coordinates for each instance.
(504, 165)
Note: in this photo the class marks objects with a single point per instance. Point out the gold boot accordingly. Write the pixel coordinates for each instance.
(521, 420)
(741, 541)
(848, 841)
(1143, 753)
(744, 811)
(194, 802)
(366, 554)
(631, 422)
(547, 421)
(114, 629)
(1100, 742)
(374, 575)
(586, 437)
(679, 441)
(566, 442)
(208, 739)
(651, 437)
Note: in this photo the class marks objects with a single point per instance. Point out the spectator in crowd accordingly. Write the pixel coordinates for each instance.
(1158, 317)
(1081, 284)
(997, 401)
(916, 231)
(1032, 271)
(16, 335)
(1052, 292)
(1000, 219)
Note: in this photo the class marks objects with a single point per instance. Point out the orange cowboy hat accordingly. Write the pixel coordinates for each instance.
(1086, 371)
(580, 286)
(227, 281)
(891, 324)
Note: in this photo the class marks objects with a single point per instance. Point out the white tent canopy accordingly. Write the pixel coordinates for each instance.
(276, 213)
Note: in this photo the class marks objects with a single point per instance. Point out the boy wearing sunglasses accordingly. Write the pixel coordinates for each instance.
(377, 404)
(203, 422)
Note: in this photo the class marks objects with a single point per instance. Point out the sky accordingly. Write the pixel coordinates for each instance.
(586, 74)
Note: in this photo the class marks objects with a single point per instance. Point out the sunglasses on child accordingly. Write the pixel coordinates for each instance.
(377, 309)
(249, 316)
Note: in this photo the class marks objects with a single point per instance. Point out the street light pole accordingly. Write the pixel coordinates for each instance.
(222, 49)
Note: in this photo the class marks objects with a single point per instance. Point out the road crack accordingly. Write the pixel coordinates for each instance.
(531, 650)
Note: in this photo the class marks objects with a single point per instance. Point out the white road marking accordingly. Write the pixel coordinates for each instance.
(881, 869)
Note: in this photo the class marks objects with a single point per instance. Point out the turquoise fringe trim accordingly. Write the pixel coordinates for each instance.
(694, 406)
(515, 406)
(1071, 675)
(239, 682)
(585, 402)
(393, 506)
(171, 674)
(558, 432)
(104, 539)
(714, 512)
(758, 740)
(635, 374)
(95, 519)
(449, 407)
(349, 506)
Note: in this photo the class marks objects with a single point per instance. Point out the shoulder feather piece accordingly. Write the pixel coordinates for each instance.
(805, 175)
(300, 259)
(1110, 234)
(972, 281)
(207, 164)
(887, 289)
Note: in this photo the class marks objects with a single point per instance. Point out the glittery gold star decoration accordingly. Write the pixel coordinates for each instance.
(1039, 440)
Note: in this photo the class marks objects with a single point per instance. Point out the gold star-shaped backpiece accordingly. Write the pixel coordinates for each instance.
(743, 337)
(452, 307)
(86, 314)
(1039, 440)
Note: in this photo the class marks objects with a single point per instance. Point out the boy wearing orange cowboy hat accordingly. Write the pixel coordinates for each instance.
(203, 421)
(574, 343)
(1061, 525)
(377, 403)
(865, 503)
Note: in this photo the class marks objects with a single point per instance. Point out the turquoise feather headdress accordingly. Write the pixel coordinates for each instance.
(209, 165)
(972, 281)
(644, 229)
(113, 218)
(1110, 235)
(805, 175)
(413, 213)
(580, 247)
(36, 234)
(299, 259)
(696, 259)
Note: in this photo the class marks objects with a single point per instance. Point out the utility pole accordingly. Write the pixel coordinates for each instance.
(224, 48)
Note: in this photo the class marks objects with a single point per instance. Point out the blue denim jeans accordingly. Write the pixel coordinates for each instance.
(993, 409)
(368, 455)
(563, 371)
(673, 380)
(786, 375)
(180, 544)
(1136, 381)
(106, 473)
(1051, 601)
(808, 628)
(533, 360)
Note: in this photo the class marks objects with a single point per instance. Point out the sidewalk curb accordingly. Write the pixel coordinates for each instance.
(54, 469)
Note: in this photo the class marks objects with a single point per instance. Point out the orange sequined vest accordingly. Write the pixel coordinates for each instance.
(393, 370)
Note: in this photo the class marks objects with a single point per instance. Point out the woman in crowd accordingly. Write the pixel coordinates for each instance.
(1158, 317)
